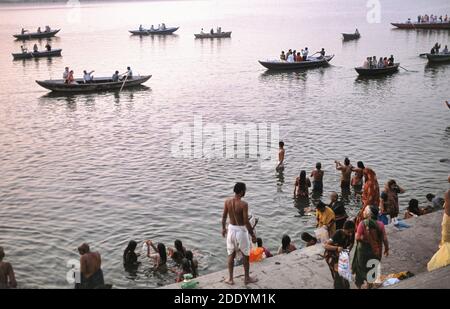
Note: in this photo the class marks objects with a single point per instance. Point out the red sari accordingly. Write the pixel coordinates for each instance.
(371, 193)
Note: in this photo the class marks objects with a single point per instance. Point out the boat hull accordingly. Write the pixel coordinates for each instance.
(36, 35)
(431, 26)
(350, 36)
(41, 54)
(166, 31)
(99, 85)
(212, 36)
(378, 72)
(437, 58)
(284, 65)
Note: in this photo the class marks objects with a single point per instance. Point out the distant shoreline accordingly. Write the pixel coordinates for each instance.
(65, 1)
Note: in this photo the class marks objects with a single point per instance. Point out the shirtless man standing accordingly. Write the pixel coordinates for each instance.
(238, 231)
(346, 170)
(7, 277)
(280, 166)
(90, 268)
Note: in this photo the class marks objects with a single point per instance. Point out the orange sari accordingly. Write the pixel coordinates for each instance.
(371, 193)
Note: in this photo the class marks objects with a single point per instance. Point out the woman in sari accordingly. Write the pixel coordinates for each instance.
(371, 193)
(302, 184)
(370, 237)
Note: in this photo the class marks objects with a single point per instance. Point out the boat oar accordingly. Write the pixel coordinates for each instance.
(421, 55)
(125, 80)
(407, 69)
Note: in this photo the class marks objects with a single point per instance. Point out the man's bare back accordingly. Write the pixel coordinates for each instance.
(90, 263)
(237, 211)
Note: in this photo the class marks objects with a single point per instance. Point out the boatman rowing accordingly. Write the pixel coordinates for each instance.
(238, 231)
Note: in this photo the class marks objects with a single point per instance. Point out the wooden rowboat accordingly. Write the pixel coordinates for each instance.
(378, 71)
(168, 30)
(36, 35)
(213, 35)
(38, 54)
(434, 26)
(312, 62)
(351, 36)
(441, 57)
(99, 84)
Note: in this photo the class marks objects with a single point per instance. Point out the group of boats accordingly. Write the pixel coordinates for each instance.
(163, 30)
(107, 83)
(47, 53)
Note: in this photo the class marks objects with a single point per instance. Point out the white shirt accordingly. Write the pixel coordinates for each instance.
(290, 58)
(87, 77)
(65, 74)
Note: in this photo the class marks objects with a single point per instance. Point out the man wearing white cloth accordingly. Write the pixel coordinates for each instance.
(239, 228)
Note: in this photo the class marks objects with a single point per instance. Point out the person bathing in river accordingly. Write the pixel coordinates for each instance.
(302, 183)
(7, 276)
(437, 203)
(317, 176)
(286, 245)
(326, 218)
(194, 263)
(160, 256)
(178, 248)
(358, 178)
(281, 152)
(308, 239)
(346, 171)
(238, 232)
(130, 258)
(338, 208)
(389, 199)
(90, 269)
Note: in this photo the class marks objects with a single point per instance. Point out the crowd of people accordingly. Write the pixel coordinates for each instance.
(24, 49)
(152, 28)
(68, 77)
(366, 231)
(372, 63)
(294, 56)
(433, 18)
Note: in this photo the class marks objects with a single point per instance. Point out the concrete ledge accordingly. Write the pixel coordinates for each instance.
(410, 250)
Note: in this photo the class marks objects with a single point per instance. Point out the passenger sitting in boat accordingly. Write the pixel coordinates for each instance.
(366, 64)
(374, 62)
(294, 54)
(408, 21)
(305, 54)
(201, 31)
(290, 57)
(211, 31)
(35, 48)
(48, 47)
(219, 29)
(163, 26)
(65, 73)
(380, 63)
(115, 77)
(24, 49)
(69, 78)
(356, 31)
(445, 51)
(391, 61)
(299, 57)
(87, 77)
(47, 29)
(283, 55)
(141, 28)
(385, 62)
(152, 28)
(39, 30)
(446, 18)
(23, 31)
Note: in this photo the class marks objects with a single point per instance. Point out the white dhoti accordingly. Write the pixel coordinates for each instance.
(238, 240)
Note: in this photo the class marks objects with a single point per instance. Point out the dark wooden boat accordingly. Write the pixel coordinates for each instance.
(168, 30)
(98, 85)
(38, 54)
(212, 36)
(312, 62)
(441, 57)
(36, 35)
(436, 26)
(378, 71)
(351, 36)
